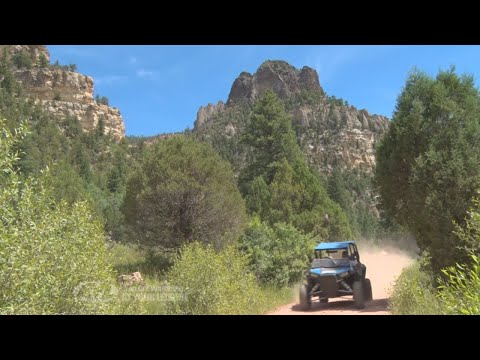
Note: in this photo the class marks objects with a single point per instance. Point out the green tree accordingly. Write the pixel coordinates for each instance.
(43, 61)
(22, 60)
(101, 100)
(428, 165)
(270, 134)
(8, 84)
(284, 188)
(54, 259)
(100, 128)
(338, 191)
(258, 198)
(278, 254)
(182, 192)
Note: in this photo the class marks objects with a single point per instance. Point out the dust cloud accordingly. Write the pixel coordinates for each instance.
(384, 264)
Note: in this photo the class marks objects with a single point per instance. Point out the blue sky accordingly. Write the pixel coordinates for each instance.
(160, 88)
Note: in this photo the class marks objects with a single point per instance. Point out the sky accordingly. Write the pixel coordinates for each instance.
(159, 88)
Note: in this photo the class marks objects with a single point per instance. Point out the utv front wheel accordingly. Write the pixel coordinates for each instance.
(367, 287)
(358, 294)
(305, 299)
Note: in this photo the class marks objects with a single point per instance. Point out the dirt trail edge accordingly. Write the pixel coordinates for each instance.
(383, 267)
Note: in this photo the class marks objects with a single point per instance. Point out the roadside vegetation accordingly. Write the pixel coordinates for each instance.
(226, 226)
(428, 176)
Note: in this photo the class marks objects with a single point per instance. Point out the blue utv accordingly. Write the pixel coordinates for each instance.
(336, 271)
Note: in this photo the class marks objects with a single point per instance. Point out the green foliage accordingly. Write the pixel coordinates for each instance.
(457, 294)
(209, 282)
(334, 101)
(278, 254)
(69, 67)
(43, 61)
(278, 185)
(258, 199)
(101, 100)
(352, 190)
(9, 85)
(414, 293)
(182, 192)
(128, 258)
(86, 166)
(460, 290)
(304, 97)
(428, 165)
(22, 60)
(53, 256)
(460, 285)
(57, 96)
(269, 132)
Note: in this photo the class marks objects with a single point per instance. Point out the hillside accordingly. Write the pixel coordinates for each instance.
(60, 90)
(330, 132)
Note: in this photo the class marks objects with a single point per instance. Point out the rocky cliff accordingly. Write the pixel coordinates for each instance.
(61, 91)
(279, 76)
(330, 132)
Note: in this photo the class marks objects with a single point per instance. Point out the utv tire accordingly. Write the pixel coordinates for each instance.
(367, 287)
(305, 299)
(358, 294)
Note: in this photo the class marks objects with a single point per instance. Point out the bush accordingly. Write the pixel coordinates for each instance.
(53, 257)
(459, 289)
(460, 292)
(183, 192)
(43, 61)
(102, 100)
(22, 60)
(278, 254)
(211, 282)
(128, 258)
(414, 293)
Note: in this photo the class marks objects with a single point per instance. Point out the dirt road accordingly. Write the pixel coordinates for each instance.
(383, 266)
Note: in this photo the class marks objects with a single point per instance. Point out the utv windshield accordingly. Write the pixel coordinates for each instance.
(332, 254)
(331, 258)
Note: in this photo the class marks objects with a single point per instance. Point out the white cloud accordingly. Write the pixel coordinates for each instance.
(145, 74)
(110, 79)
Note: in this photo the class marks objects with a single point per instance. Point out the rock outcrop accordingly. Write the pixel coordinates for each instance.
(329, 132)
(279, 76)
(63, 92)
(207, 112)
(35, 52)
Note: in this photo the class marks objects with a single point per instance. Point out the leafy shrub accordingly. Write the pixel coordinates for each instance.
(102, 100)
(22, 60)
(210, 282)
(460, 291)
(414, 293)
(53, 259)
(278, 254)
